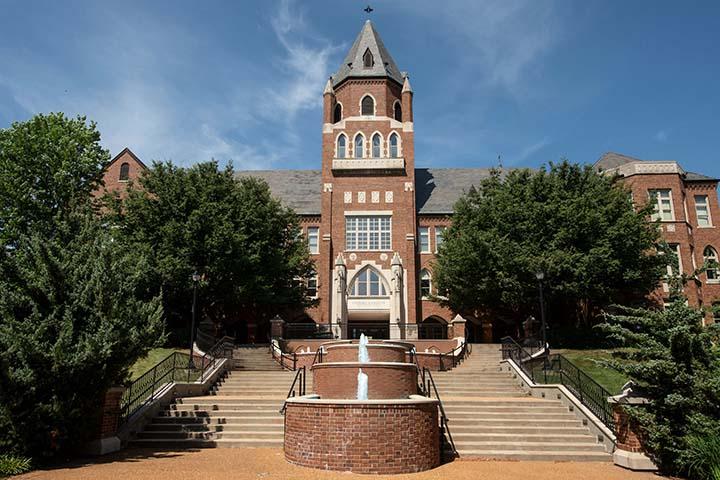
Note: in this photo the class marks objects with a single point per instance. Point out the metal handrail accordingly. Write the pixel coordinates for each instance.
(217, 352)
(443, 416)
(279, 356)
(318, 358)
(557, 369)
(299, 376)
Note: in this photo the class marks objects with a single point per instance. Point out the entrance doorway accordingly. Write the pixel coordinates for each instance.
(377, 330)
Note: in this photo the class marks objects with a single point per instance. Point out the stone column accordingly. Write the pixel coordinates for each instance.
(456, 328)
(629, 453)
(339, 315)
(397, 317)
(277, 327)
(107, 440)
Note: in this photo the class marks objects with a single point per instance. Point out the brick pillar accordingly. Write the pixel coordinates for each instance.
(277, 327)
(629, 452)
(107, 440)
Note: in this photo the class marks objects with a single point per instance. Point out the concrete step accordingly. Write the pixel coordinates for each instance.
(491, 410)
(205, 427)
(230, 417)
(206, 443)
(264, 421)
(208, 400)
(521, 445)
(517, 430)
(175, 435)
(467, 438)
(510, 422)
(236, 409)
(465, 416)
(536, 455)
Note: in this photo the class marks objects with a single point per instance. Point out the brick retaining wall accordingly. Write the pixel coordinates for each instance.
(339, 380)
(377, 353)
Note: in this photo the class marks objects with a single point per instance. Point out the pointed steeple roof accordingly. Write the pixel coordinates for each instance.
(383, 64)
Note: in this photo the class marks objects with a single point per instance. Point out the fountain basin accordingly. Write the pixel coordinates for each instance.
(378, 353)
(338, 380)
(378, 436)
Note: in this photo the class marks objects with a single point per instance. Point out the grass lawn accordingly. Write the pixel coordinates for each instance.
(151, 359)
(585, 360)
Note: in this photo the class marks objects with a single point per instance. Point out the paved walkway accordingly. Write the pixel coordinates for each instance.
(269, 463)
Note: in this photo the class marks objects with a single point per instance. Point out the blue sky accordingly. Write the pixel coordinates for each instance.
(530, 80)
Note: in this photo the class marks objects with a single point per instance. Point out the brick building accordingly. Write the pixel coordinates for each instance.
(686, 206)
(373, 221)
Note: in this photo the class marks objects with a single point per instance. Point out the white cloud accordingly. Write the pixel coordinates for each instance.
(661, 136)
(533, 149)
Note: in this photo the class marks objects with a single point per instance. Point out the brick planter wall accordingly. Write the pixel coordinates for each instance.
(385, 380)
(379, 437)
(377, 353)
(627, 433)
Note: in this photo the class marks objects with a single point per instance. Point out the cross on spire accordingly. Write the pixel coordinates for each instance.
(368, 9)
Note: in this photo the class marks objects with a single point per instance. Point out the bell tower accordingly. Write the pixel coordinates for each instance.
(368, 193)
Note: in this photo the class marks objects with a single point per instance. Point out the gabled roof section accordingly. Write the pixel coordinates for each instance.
(129, 152)
(611, 160)
(383, 63)
(298, 189)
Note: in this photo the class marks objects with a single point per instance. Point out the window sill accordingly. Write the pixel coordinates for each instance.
(706, 226)
(713, 282)
(368, 251)
(368, 164)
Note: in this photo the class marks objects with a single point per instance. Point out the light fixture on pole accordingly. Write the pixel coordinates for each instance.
(540, 276)
(195, 280)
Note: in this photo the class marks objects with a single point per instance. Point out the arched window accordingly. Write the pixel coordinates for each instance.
(337, 113)
(367, 105)
(710, 256)
(368, 283)
(341, 146)
(376, 145)
(124, 171)
(368, 60)
(433, 328)
(359, 144)
(397, 112)
(425, 283)
(394, 149)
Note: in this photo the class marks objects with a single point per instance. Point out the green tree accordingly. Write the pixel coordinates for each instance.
(233, 232)
(48, 164)
(675, 360)
(76, 311)
(577, 226)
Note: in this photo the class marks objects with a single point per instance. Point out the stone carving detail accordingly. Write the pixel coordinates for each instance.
(409, 187)
(383, 257)
(353, 257)
(348, 197)
(361, 197)
(375, 197)
(327, 187)
(389, 197)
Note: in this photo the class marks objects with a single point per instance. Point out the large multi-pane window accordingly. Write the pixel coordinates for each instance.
(368, 284)
(313, 239)
(710, 256)
(439, 231)
(663, 205)
(675, 267)
(367, 233)
(424, 239)
(702, 210)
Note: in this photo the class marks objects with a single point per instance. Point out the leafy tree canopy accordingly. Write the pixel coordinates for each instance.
(76, 311)
(47, 164)
(676, 362)
(243, 241)
(577, 226)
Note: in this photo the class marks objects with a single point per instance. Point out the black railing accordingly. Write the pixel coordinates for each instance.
(557, 369)
(286, 360)
(430, 389)
(297, 389)
(454, 357)
(176, 367)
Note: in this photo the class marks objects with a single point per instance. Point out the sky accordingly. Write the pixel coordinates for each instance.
(523, 81)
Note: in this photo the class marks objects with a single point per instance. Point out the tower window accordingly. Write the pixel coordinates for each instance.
(394, 153)
(397, 112)
(359, 143)
(711, 261)
(376, 143)
(368, 60)
(425, 284)
(124, 172)
(337, 113)
(341, 144)
(367, 105)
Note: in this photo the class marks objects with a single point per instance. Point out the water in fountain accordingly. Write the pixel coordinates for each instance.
(362, 390)
(363, 356)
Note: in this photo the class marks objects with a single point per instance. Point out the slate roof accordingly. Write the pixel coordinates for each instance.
(699, 177)
(436, 189)
(611, 160)
(384, 65)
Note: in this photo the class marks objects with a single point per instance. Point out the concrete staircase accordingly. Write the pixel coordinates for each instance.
(491, 417)
(242, 410)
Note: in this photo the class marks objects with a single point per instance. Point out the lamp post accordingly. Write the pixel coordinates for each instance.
(540, 277)
(195, 279)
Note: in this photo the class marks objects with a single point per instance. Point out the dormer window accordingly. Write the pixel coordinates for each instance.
(367, 106)
(124, 172)
(368, 60)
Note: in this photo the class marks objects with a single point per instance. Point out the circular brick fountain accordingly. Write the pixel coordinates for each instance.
(393, 431)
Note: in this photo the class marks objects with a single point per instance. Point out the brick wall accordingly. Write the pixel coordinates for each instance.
(111, 176)
(369, 438)
(377, 353)
(337, 380)
(627, 432)
(110, 416)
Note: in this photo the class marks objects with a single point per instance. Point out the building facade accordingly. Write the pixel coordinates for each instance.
(373, 221)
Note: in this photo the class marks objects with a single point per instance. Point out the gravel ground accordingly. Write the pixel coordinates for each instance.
(269, 463)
